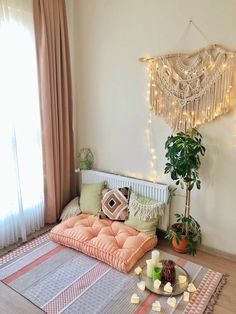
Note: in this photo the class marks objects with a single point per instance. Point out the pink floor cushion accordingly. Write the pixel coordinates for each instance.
(109, 241)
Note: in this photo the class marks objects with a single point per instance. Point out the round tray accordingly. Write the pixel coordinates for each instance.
(177, 287)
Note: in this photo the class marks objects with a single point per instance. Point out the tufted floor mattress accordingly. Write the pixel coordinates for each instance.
(109, 241)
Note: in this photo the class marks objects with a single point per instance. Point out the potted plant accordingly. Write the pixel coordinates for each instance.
(85, 158)
(183, 154)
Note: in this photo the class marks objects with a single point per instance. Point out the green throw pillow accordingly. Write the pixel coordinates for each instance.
(149, 226)
(90, 198)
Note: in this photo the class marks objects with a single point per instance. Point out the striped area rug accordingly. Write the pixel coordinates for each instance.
(61, 280)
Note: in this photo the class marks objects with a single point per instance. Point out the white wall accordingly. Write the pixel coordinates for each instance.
(109, 37)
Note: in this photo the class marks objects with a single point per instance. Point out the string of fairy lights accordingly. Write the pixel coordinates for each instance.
(149, 133)
(211, 102)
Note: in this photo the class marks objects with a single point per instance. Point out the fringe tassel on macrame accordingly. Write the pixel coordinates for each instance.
(145, 211)
(189, 90)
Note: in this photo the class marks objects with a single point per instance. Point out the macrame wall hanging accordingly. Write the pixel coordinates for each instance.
(188, 90)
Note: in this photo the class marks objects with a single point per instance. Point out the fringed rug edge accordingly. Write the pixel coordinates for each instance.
(213, 300)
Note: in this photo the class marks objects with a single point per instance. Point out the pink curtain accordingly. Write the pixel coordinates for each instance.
(55, 89)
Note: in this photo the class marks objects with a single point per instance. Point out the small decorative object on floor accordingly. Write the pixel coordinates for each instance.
(191, 287)
(186, 296)
(141, 285)
(156, 306)
(168, 288)
(182, 279)
(138, 270)
(157, 284)
(134, 299)
(171, 301)
(168, 271)
(85, 158)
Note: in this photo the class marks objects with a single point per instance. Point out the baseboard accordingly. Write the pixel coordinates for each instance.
(206, 249)
(216, 252)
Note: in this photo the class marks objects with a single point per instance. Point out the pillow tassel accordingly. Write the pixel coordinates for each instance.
(145, 211)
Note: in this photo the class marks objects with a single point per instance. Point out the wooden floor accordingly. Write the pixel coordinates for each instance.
(226, 303)
(13, 303)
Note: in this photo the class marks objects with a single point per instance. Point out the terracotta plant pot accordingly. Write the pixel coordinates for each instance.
(182, 246)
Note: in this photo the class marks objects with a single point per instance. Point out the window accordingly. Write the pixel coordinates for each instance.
(21, 174)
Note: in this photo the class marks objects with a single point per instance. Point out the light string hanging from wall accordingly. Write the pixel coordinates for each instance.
(149, 134)
(188, 90)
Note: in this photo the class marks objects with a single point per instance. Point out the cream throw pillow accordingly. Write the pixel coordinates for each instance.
(71, 209)
(144, 213)
(148, 227)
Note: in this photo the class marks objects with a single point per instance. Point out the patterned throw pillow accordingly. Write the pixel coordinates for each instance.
(115, 204)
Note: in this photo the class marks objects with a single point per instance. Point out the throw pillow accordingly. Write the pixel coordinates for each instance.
(71, 209)
(90, 198)
(144, 213)
(145, 208)
(115, 204)
(148, 227)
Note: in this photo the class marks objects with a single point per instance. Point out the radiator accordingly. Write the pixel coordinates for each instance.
(156, 191)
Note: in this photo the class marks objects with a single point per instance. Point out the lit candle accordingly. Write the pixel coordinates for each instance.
(155, 257)
(150, 267)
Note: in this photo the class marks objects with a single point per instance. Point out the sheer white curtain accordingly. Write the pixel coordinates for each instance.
(21, 174)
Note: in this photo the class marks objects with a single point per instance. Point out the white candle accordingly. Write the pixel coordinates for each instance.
(150, 267)
(155, 257)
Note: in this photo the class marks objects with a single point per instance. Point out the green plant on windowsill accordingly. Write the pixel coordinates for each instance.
(183, 154)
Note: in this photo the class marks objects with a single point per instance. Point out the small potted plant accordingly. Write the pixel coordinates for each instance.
(183, 154)
(85, 158)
